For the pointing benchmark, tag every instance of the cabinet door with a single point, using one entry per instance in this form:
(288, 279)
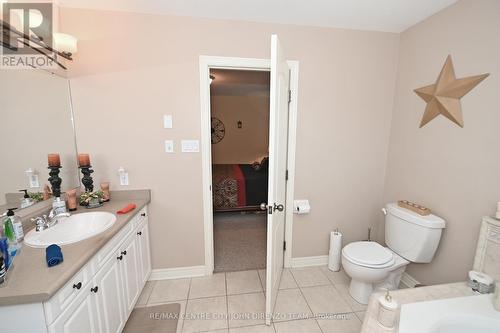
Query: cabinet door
(130, 273)
(109, 296)
(78, 318)
(145, 256)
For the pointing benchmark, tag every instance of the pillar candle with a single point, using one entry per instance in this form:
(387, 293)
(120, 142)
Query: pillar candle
(54, 160)
(83, 160)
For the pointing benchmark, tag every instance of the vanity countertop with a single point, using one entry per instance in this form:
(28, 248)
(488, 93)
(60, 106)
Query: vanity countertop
(411, 295)
(31, 281)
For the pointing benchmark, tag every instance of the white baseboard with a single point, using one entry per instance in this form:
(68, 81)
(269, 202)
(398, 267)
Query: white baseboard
(178, 273)
(408, 281)
(309, 261)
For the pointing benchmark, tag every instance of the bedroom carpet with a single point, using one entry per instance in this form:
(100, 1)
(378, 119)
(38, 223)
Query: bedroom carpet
(239, 241)
(159, 318)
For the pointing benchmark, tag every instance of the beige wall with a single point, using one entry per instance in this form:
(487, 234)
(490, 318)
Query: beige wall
(241, 145)
(133, 68)
(454, 171)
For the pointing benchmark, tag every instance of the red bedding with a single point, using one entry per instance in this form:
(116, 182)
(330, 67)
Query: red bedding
(239, 186)
(228, 186)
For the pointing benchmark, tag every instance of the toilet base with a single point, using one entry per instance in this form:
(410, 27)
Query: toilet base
(360, 291)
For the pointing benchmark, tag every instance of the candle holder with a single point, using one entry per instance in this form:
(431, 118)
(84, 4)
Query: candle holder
(55, 180)
(87, 179)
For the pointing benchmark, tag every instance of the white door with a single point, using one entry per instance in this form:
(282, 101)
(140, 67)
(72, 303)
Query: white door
(78, 318)
(278, 138)
(109, 296)
(129, 271)
(144, 257)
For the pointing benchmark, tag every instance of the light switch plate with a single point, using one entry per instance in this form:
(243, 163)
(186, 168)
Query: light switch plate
(169, 146)
(190, 146)
(167, 121)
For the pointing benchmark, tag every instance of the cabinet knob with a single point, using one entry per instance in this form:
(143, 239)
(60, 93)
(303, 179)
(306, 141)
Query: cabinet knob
(139, 233)
(143, 214)
(95, 289)
(120, 257)
(124, 253)
(77, 285)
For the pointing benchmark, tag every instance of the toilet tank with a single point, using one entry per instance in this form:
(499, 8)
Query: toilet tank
(412, 236)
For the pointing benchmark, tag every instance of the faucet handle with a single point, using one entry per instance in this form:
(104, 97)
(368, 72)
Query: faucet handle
(39, 223)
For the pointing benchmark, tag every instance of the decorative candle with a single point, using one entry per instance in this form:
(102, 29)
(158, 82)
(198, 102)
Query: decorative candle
(54, 160)
(47, 193)
(105, 191)
(83, 160)
(71, 195)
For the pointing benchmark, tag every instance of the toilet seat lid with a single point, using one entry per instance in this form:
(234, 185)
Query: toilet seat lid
(368, 253)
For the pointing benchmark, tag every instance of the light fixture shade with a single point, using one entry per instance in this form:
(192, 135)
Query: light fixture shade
(65, 43)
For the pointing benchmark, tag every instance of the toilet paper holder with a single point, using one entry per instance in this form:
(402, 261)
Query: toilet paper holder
(301, 206)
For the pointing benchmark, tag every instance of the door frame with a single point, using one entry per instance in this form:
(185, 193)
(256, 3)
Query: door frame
(205, 64)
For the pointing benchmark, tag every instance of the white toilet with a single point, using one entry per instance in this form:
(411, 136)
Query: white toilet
(410, 237)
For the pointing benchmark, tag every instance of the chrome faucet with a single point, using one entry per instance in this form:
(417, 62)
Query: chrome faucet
(43, 222)
(53, 216)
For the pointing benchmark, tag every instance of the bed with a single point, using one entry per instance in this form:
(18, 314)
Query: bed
(239, 187)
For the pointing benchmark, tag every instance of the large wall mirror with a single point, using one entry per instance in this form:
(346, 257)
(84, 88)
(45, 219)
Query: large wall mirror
(36, 119)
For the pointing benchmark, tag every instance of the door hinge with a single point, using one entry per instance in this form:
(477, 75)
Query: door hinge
(284, 245)
(289, 95)
(286, 175)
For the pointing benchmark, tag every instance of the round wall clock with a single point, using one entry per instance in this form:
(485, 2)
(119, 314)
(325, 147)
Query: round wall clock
(218, 130)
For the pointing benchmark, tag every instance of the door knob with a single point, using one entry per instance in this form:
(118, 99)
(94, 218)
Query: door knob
(279, 207)
(124, 253)
(77, 285)
(95, 289)
(263, 206)
(120, 257)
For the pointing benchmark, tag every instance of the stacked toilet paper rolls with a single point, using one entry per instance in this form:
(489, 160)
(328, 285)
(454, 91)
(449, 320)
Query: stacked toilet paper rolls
(335, 251)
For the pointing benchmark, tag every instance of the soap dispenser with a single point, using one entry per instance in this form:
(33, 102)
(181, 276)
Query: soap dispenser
(8, 230)
(26, 201)
(17, 225)
(387, 313)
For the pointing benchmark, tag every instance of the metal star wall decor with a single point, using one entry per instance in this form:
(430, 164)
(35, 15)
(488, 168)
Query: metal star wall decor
(443, 97)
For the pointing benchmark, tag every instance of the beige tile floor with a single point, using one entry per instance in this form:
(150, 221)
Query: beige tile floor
(309, 300)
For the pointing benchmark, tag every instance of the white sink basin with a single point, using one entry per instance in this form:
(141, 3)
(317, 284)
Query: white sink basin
(71, 229)
(454, 315)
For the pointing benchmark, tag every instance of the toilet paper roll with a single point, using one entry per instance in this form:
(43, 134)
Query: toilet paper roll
(334, 256)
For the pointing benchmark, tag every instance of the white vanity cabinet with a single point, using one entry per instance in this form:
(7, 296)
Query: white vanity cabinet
(103, 303)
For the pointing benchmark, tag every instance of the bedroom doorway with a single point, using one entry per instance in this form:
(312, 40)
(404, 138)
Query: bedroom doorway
(206, 64)
(239, 117)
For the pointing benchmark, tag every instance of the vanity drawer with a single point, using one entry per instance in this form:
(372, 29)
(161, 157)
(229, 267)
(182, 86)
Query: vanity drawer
(76, 285)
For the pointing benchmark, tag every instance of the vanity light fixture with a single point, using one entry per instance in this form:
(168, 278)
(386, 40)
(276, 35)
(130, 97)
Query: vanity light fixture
(65, 43)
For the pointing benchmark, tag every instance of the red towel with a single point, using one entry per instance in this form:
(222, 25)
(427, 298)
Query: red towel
(126, 209)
